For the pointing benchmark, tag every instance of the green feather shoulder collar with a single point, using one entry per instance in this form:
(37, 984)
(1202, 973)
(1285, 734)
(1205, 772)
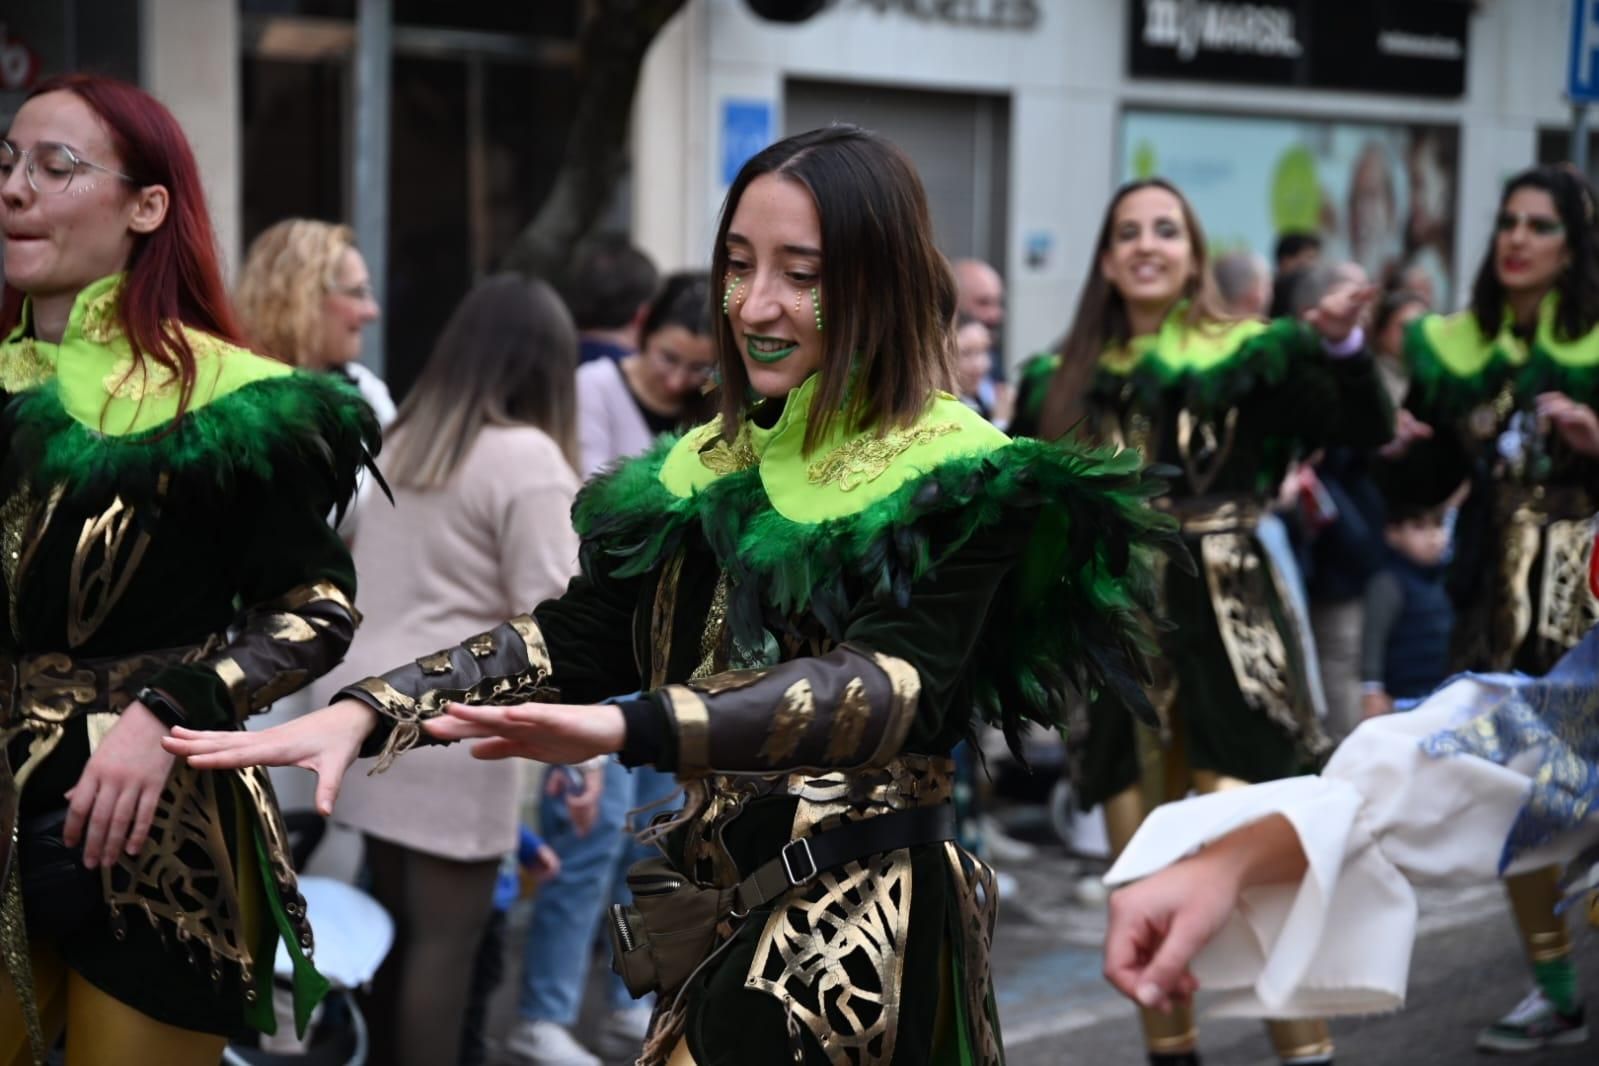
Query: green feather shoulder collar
(96, 379)
(1216, 365)
(1070, 615)
(1456, 365)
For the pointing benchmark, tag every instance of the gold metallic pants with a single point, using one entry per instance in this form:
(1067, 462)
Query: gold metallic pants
(1533, 896)
(101, 1031)
(1177, 1032)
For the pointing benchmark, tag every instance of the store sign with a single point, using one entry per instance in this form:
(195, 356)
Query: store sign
(982, 14)
(1415, 47)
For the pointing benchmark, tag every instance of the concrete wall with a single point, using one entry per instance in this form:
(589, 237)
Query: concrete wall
(190, 60)
(1068, 88)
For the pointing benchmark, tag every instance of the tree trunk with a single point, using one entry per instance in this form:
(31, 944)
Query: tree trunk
(613, 43)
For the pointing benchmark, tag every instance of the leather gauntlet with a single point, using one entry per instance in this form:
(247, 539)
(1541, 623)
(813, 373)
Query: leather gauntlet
(508, 664)
(281, 646)
(846, 709)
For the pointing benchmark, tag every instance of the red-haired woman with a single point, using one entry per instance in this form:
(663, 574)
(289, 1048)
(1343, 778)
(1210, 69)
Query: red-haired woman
(165, 560)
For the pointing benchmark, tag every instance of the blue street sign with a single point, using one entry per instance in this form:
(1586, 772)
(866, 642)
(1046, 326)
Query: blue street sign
(1582, 70)
(746, 129)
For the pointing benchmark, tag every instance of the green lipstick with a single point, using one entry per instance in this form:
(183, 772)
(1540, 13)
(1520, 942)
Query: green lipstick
(767, 355)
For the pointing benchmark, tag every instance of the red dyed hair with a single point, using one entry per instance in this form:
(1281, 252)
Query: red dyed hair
(173, 273)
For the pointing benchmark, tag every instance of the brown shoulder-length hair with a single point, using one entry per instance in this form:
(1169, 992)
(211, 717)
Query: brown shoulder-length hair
(887, 294)
(506, 357)
(1101, 320)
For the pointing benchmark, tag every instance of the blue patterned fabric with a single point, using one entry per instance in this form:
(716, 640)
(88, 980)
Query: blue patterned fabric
(1556, 716)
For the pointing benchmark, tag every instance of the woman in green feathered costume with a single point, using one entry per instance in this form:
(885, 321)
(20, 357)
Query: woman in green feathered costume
(165, 559)
(1151, 364)
(1505, 393)
(801, 607)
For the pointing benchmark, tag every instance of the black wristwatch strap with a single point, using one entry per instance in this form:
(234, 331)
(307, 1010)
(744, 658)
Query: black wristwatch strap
(163, 707)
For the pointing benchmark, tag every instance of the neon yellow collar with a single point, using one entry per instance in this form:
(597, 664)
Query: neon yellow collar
(845, 474)
(1180, 348)
(100, 384)
(1461, 348)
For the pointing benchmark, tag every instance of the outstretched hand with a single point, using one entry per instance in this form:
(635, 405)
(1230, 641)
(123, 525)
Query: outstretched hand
(548, 732)
(1158, 925)
(1340, 311)
(325, 742)
(1576, 422)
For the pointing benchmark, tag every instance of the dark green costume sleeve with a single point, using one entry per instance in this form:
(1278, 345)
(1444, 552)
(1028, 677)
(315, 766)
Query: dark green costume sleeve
(575, 649)
(1032, 387)
(1324, 399)
(295, 576)
(891, 686)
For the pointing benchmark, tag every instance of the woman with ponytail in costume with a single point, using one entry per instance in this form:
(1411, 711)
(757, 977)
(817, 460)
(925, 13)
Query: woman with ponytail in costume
(166, 561)
(1151, 363)
(819, 593)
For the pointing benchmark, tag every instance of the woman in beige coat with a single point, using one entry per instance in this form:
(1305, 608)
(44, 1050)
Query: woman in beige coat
(481, 465)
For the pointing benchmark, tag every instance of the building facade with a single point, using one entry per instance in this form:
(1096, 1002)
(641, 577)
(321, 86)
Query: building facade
(1022, 116)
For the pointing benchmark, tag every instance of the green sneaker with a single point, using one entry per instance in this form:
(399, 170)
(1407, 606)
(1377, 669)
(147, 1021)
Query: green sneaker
(1532, 1025)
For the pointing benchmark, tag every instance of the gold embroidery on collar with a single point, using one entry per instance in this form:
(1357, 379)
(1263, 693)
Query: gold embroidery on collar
(866, 457)
(100, 322)
(22, 367)
(729, 458)
(128, 380)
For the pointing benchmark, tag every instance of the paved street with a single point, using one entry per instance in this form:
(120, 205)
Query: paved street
(1467, 970)
(1058, 1011)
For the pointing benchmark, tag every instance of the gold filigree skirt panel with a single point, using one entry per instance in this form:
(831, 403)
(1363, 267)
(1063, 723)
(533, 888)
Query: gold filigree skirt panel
(1538, 602)
(184, 894)
(1263, 641)
(847, 966)
(862, 986)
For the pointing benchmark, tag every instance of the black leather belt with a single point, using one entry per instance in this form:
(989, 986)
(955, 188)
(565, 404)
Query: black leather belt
(801, 860)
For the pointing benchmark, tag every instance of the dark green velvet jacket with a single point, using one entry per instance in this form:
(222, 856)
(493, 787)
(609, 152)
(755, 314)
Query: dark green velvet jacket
(812, 633)
(186, 562)
(1226, 410)
(1518, 570)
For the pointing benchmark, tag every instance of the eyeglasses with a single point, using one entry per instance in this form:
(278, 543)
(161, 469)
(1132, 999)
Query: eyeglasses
(49, 166)
(362, 291)
(1540, 225)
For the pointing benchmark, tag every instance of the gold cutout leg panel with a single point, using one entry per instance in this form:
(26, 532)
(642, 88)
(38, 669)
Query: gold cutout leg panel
(1300, 1039)
(50, 992)
(681, 1056)
(1208, 781)
(1169, 1034)
(1124, 813)
(1533, 896)
(100, 1030)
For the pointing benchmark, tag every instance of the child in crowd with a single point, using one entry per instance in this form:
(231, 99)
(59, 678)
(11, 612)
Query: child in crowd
(1408, 617)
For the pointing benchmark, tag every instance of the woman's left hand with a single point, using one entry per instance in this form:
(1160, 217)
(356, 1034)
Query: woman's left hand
(548, 732)
(1575, 422)
(1340, 311)
(112, 805)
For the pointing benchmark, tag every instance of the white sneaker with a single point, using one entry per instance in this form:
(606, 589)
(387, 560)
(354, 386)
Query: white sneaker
(1000, 845)
(545, 1043)
(622, 1034)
